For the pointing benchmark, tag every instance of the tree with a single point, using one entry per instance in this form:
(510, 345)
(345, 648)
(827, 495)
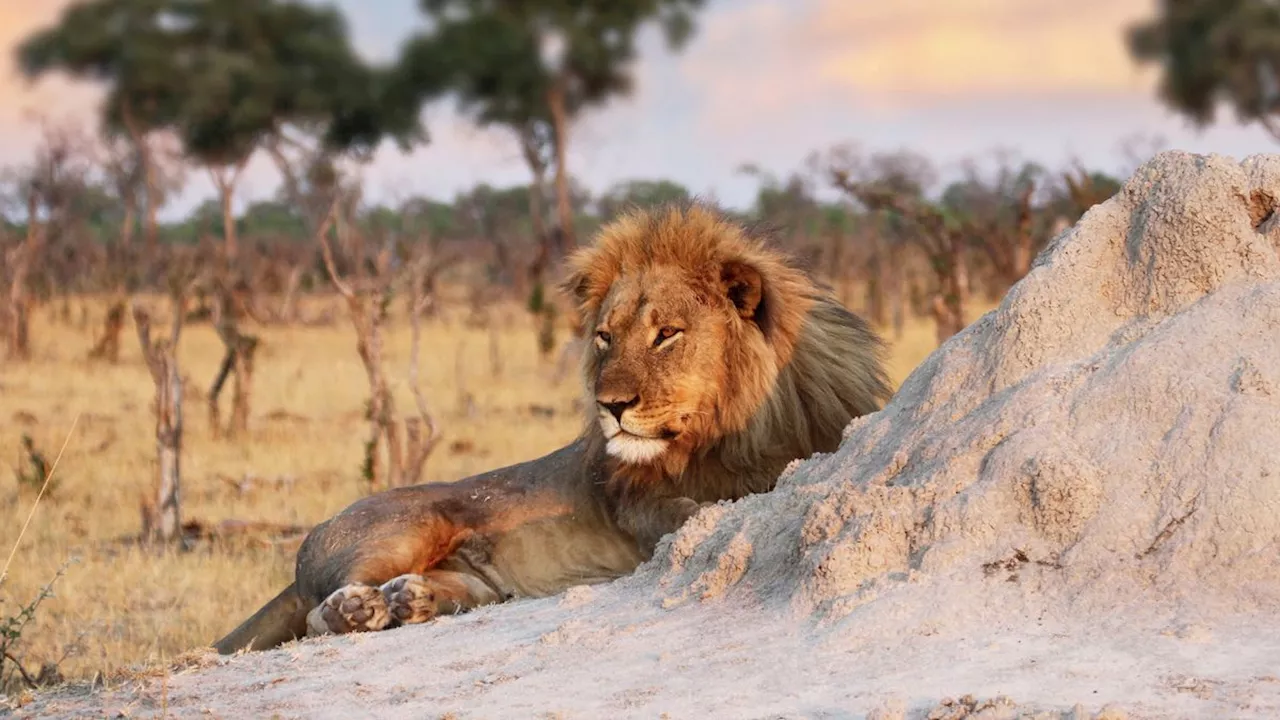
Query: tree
(1211, 51)
(163, 519)
(224, 76)
(227, 77)
(251, 70)
(126, 45)
(50, 193)
(535, 65)
(996, 210)
(395, 452)
(893, 184)
(639, 194)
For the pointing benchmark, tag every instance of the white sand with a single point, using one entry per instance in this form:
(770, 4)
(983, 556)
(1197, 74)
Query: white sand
(1075, 503)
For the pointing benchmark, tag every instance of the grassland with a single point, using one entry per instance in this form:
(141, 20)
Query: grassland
(120, 604)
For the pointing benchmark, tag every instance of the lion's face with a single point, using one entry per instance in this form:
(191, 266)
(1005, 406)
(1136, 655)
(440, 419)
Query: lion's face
(660, 348)
(689, 324)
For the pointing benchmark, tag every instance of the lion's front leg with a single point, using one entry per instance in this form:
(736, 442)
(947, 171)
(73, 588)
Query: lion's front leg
(650, 519)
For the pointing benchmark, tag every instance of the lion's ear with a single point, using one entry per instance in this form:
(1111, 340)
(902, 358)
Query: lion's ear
(575, 286)
(577, 280)
(744, 285)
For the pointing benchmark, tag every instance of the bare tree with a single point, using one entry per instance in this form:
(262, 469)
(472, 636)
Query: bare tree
(892, 186)
(163, 520)
(18, 260)
(999, 215)
(48, 190)
(233, 303)
(108, 345)
(395, 451)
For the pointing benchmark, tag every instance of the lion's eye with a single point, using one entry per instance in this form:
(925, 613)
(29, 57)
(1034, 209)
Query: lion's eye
(603, 336)
(666, 333)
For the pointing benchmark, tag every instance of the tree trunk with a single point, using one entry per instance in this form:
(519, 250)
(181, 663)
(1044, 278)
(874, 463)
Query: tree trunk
(897, 291)
(560, 128)
(243, 386)
(19, 311)
(126, 225)
(369, 348)
(169, 449)
(152, 182)
(950, 302)
(215, 390)
(237, 364)
(225, 180)
(108, 345)
(165, 520)
(541, 307)
(1023, 239)
(877, 270)
(229, 223)
(19, 325)
(403, 463)
(289, 306)
(876, 311)
(153, 206)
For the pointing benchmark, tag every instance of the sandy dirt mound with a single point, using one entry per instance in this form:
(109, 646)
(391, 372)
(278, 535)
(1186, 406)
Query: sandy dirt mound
(1071, 510)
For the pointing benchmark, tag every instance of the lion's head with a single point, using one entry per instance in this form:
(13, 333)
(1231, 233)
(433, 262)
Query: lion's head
(690, 322)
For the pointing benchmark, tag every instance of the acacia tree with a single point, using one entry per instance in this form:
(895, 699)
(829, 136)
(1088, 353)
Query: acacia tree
(238, 74)
(894, 184)
(125, 45)
(1210, 51)
(997, 211)
(535, 65)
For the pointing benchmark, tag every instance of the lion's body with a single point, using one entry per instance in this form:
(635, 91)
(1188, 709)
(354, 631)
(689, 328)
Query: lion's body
(715, 365)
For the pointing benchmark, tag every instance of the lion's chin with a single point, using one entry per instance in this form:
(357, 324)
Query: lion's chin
(635, 450)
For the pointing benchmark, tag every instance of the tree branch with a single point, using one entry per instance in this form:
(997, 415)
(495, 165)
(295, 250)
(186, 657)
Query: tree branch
(327, 253)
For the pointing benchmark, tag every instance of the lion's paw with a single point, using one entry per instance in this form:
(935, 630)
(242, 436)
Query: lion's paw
(353, 608)
(410, 599)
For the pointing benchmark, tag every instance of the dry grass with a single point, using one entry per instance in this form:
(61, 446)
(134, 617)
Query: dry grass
(124, 605)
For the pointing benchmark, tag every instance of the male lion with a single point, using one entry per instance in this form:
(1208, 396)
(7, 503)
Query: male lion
(714, 364)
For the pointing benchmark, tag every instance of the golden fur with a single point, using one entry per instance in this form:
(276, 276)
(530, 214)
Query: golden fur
(713, 363)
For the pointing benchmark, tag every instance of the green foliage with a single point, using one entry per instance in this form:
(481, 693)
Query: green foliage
(537, 299)
(13, 625)
(223, 74)
(490, 53)
(121, 43)
(33, 466)
(640, 194)
(271, 219)
(1211, 51)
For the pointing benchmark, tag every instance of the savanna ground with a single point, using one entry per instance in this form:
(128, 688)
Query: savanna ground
(121, 605)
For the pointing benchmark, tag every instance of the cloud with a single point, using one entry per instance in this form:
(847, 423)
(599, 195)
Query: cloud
(923, 49)
(766, 59)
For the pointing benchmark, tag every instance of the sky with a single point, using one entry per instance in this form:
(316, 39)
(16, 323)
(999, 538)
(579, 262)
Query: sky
(766, 82)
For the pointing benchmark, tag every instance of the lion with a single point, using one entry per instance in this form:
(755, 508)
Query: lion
(714, 361)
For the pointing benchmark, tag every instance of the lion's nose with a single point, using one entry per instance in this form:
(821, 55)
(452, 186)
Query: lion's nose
(617, 407)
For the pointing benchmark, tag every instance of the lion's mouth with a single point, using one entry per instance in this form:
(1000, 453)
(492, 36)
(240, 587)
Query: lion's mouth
(635, 449)
(663, 434)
